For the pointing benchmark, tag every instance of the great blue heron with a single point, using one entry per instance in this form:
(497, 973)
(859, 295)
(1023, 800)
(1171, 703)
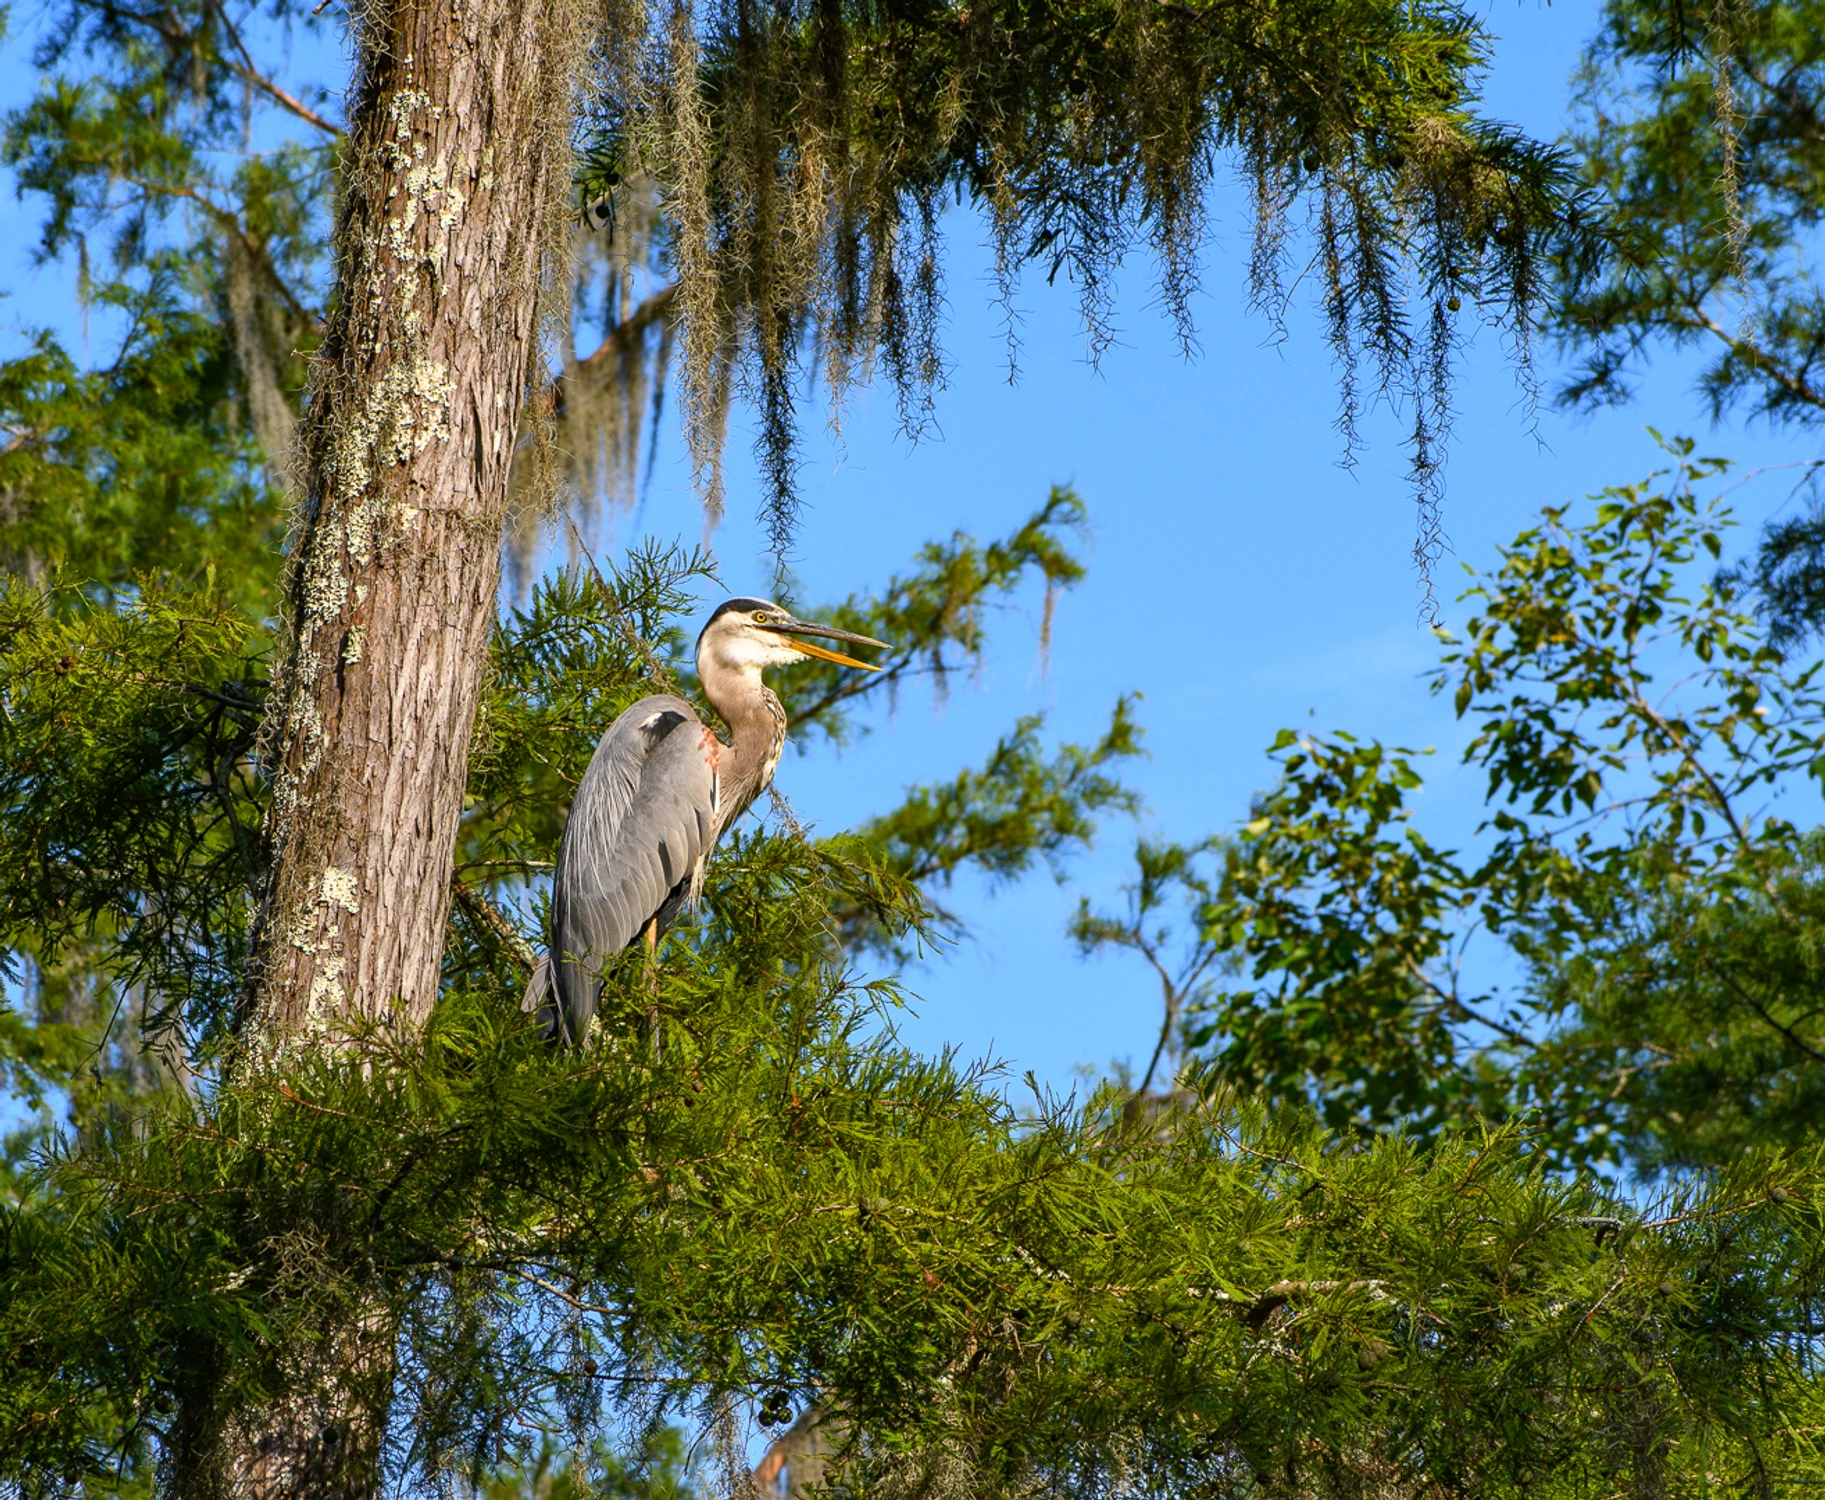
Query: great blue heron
(659, 790)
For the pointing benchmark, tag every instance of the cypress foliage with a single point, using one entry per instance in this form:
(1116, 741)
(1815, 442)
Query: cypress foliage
(804, 157)
(1055, 1303)
(1059, 1297)
(1168, 1291)
(774, 186)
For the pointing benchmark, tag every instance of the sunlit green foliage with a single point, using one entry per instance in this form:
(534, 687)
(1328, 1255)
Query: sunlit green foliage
(1700, 126)
(138, 467)
(658, 1467)
(1340, 912)
(1649, 758)
(1065, 1301)
(1019, 809)
(130, 830)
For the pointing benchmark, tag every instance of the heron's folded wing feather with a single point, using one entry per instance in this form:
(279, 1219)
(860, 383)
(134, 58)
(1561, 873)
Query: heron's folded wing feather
(637, 816)
(660, 840)
(538, 997)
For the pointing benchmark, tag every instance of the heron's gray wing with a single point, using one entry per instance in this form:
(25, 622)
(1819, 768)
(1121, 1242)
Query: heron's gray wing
(537, 998)
(643, 818)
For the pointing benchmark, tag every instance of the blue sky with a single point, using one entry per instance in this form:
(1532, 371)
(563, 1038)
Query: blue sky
(1239, 579)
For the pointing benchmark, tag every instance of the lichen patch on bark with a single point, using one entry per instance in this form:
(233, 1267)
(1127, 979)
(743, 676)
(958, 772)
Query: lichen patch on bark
(340, 889)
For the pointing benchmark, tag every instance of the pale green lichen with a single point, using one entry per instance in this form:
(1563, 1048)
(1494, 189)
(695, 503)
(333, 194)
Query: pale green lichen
(404, 104)
(303, 726)
(326, 995)
(425, 181)
(303, 923)
(406, 411)
(301, 932)
(340, 889)
(324, 592)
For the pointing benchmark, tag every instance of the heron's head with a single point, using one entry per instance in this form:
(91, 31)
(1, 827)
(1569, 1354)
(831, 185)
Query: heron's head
(745, 635)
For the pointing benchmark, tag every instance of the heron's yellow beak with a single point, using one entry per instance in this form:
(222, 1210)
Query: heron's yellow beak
(794, 628)
(822, 655)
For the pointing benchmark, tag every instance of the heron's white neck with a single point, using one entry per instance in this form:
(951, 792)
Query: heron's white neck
(757, 731)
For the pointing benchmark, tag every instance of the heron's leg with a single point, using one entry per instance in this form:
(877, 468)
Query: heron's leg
(649, 936)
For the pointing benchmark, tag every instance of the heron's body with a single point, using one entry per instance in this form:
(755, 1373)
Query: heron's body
(658, 792)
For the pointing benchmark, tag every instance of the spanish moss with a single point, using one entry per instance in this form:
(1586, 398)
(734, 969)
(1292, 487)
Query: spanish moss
(786, 170)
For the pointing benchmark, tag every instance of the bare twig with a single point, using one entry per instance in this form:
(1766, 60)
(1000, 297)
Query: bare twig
(490, 917)
(1787, 1031)
(246, 70)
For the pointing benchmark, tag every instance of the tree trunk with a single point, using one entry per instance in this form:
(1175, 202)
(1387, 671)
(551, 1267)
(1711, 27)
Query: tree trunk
(456, 164)
(796, 1463)
(455, 170)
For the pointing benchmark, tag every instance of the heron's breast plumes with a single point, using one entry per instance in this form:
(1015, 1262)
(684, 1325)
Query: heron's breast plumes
(776, 740)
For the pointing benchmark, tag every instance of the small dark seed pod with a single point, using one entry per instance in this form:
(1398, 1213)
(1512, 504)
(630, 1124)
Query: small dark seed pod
(1668, 1288)
(1778, 1195)
(1311, 161)
(163, 1404)
(1372, 1353)
(589, 1367)
(1452, 304)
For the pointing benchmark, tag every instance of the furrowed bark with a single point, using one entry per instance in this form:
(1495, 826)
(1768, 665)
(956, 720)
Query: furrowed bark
(457, 161)
(324, 1437)
(457, 148)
